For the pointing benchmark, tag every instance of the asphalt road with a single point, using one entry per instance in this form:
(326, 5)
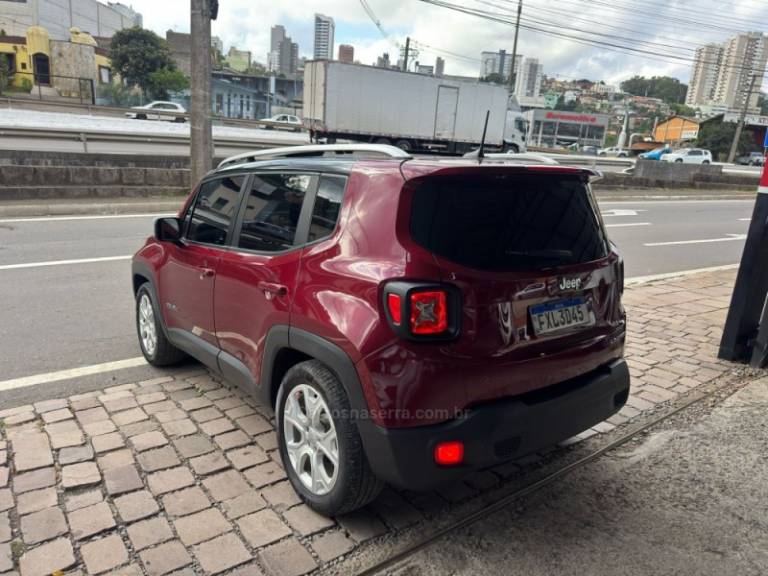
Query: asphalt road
(80, 314)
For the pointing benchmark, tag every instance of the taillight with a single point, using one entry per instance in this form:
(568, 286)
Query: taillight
(449, 453)
(420, 311)
(395, 307)
(429, 312)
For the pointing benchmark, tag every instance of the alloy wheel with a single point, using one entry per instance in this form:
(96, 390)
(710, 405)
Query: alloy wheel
(147, 325)
(310, 439)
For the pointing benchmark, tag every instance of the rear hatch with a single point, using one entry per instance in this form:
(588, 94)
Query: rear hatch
(539, 280)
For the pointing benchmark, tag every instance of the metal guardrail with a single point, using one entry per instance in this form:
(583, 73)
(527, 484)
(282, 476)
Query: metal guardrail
(113, 111)
(86, 140)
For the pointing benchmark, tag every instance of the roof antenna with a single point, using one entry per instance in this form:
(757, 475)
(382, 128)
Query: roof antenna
(481, 151)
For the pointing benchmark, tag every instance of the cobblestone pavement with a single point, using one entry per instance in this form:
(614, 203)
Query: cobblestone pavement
(181, 475)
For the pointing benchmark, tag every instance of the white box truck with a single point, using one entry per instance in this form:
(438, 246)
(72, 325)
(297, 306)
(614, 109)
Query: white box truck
(415, 112)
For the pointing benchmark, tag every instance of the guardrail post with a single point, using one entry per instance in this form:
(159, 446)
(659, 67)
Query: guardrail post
(742, 326)
(84, 140)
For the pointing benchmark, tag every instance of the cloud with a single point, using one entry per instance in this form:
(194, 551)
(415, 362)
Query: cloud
(246, 24)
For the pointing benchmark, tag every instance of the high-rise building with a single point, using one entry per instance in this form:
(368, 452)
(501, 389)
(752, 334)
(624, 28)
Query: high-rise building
(277, 35)
(439, 67)
(288, 52)
(706, 67)
(723, 73)
(346, 53)
(498, 63)
(324, 30)
(528, 79)
(383, 61)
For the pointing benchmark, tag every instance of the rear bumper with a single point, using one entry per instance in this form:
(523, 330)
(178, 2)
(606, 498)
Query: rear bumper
(494, 433)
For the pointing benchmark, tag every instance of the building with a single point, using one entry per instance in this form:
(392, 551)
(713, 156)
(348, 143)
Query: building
(239, 60)
(723, 73)
(383, 61)
(555, 129)
(277, 35)
(71, 69)
(528, 80)
(324, 31)
(252, 96)
(498, 63)
(346, 53)
(439, 67)
(425, 69)
(180, 47)
(58, 16)
(217, 44)
(677, 130)
(288, 56)
(128, 12)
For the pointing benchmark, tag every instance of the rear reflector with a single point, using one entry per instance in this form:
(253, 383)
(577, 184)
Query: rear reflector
(429, 312)
(449, 453)
(394, 304)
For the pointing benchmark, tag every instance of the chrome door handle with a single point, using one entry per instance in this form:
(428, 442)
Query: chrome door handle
(207, 273)
(271, 289)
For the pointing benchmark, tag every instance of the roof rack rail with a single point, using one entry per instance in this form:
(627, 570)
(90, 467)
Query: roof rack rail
(318, 151)
(516, 158)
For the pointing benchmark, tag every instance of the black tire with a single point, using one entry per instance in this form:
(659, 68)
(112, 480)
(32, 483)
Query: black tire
(511, 148)
(180, 120)
(165, 353)
(356, 485)
(384, 141)
(679, 161)
(141, 116)
(404, 145)
(705, 162)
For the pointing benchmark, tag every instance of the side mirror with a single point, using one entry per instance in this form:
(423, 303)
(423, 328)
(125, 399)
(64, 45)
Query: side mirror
(168, 230)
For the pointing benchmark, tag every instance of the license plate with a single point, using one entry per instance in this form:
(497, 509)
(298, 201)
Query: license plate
(554, 316)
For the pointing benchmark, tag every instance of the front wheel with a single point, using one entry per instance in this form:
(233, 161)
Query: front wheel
(155, 346)
(319, 443)
(705, 162)
(679, 161)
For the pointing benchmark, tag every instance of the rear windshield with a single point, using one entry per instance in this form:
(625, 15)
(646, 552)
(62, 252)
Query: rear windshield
(508, 223)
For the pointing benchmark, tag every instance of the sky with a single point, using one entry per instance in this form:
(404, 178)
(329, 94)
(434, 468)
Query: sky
(669, 30)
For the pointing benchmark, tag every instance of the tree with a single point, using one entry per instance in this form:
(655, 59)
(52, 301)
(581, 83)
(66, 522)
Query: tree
(717, 136)
(166, 80)
(494, 78)
(668, 89)
(683, 110)
(6, 74)
(136, 53)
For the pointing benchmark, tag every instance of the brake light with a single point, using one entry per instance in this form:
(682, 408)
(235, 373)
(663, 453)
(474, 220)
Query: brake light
(449, 453)
(429, 312)
(395, 306)
(422, 311)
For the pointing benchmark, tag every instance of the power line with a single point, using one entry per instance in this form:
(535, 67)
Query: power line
(611, 46)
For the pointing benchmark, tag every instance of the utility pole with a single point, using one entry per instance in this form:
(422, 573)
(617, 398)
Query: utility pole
(742, 119)
(512, 73)
(201, 138)
(407, 50)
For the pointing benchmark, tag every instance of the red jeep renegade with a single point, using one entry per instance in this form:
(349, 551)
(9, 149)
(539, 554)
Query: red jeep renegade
(409, 320)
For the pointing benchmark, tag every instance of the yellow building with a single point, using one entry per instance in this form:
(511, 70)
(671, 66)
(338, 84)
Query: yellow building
(67, 69)
(677, 129)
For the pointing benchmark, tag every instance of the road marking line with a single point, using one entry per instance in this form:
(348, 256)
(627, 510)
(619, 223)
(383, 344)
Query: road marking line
(645, 279)
(745, 219)
(62, 262)
(621, 212)
(627, 224)
(730, 238)
(38, 379)
(65, 218)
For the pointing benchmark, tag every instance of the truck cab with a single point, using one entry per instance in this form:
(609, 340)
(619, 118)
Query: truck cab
(515, 132)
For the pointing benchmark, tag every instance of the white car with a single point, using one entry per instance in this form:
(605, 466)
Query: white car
(613, 151)
(158, 110)
(294, 121)
(689, 156)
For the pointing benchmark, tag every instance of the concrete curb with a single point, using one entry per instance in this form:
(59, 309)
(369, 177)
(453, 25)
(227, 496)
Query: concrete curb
(90, 208)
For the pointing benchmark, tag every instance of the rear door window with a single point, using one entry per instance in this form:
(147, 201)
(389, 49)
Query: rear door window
(272, 211)
(512, 222)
